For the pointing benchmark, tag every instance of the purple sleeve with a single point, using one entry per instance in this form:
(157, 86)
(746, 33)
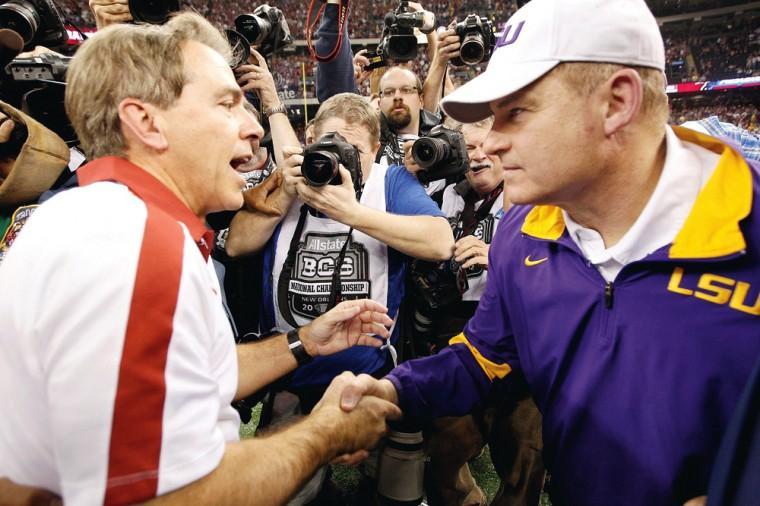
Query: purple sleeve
(449, 383)
(336, 76)
(453, 381)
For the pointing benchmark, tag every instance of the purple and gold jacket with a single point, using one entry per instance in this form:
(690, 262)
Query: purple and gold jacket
(636, 379)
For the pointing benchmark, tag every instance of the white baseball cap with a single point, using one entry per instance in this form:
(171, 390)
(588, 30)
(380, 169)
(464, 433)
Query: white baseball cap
(544, 33)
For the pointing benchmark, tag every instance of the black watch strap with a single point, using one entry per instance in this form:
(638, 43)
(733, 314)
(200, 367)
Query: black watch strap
(297, 349)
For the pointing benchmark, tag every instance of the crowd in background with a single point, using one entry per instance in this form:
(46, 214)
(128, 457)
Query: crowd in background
(741, 110)
(708, 49)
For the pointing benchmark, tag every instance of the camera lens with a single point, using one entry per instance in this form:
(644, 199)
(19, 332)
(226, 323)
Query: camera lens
(402, 47)
(319, 167)
(472, 50)
(428, 151)
(254, 28)
(21, 17)
(155, 12)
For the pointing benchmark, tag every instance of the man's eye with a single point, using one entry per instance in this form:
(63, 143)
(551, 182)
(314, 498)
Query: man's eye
(516, 111)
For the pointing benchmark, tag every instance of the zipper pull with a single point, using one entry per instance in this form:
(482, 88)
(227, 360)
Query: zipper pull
(608, 295)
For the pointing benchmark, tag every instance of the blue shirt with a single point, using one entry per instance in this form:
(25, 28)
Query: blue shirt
(403, 196)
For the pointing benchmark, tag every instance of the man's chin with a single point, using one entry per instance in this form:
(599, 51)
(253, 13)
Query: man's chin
(399, 120)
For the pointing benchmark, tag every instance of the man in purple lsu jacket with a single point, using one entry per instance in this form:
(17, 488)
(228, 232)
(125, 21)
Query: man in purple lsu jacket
(625, 283)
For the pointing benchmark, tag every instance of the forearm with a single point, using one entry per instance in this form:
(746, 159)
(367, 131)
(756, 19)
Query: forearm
(250, 230)
(424, 237)
(282, 135)
(432, 88)
(263, 470)
(261, 363)
(336, 76)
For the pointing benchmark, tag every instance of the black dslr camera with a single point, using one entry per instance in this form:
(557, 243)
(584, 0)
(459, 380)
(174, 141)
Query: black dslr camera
(398, 41)
(443, 154)
(321, 159)
(155, 12)
(37, 86)
(476, 39)
(438, 284)
(38, 22)
(266, 29)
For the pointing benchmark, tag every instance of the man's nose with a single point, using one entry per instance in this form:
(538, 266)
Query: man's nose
(496, 142)
(250, 127)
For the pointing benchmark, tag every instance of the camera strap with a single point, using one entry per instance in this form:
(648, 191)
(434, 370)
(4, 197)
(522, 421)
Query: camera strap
(469, 217)
(283, 294)
(311, 24)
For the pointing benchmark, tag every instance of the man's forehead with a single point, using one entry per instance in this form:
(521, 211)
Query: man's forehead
(399, 76)
(200, 60)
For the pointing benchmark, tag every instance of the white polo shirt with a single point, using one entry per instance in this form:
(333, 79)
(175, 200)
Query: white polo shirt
(663, 215)
(117, 362)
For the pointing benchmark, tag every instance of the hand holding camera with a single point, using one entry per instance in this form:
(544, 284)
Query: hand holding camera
(331, 177)
(448, 46)
(337, 202)
(291, 169)
(110, 12)
(255, 75)
(470, 251)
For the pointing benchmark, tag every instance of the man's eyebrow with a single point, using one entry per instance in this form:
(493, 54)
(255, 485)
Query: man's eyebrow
(233, 91)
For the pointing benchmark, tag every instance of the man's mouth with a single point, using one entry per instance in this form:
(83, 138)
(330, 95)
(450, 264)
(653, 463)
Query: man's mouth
(240, 162)
(479, 168)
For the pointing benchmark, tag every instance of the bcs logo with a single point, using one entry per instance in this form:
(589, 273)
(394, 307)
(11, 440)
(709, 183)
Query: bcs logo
(718, 290)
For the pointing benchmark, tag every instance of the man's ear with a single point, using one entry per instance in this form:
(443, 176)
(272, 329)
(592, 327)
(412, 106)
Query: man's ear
(140, 123)
(623, 93)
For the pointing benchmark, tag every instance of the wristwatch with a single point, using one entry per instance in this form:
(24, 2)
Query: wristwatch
(281, 108)
(297, 349)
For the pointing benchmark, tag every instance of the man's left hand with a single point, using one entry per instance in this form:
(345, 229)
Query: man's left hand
(470, 251)
(338, 202)
(350, 323)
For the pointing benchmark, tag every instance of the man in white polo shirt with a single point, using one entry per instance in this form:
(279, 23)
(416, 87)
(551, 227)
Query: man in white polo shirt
(117, 362)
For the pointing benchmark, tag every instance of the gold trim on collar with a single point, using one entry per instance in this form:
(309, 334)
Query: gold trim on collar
(712, 228)
(544, 222)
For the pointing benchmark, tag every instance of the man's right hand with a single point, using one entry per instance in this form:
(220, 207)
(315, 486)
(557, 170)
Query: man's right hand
(448, 46)
(409, 162)
(361, 428)
(110, 12)
(291, 169)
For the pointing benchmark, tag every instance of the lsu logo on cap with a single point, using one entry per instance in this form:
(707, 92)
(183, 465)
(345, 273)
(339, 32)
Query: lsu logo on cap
(505, 39)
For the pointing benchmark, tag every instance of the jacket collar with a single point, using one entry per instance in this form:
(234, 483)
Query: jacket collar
(712, 228)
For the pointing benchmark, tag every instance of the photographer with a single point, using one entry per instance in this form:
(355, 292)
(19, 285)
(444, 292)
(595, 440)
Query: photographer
(403, 117)
(333, 244)
(119, 359)
(387, 217)
(110, 12)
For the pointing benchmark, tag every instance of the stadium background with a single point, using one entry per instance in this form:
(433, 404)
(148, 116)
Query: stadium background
(712, 48)
(713, 69)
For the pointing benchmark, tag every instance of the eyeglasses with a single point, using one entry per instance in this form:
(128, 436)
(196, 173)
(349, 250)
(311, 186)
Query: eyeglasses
(391, 92)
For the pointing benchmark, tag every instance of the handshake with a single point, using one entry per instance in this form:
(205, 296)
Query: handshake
(355, 410)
